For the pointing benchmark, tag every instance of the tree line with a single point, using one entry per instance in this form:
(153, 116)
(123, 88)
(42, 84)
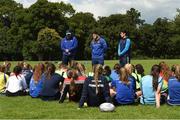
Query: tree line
(34, 33)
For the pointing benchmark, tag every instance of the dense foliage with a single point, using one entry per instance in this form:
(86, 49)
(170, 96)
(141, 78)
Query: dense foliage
(34, 33)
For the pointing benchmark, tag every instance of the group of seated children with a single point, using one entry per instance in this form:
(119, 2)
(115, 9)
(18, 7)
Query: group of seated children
(120, 86)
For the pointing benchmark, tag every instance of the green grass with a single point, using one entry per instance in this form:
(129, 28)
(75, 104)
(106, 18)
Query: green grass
(26, 107)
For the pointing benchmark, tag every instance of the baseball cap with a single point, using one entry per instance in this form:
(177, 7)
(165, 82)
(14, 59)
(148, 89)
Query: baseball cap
(68, 32)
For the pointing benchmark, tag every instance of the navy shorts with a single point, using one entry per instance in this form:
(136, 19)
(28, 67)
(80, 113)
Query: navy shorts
(124, 60)
(67, 59)
(97, 61)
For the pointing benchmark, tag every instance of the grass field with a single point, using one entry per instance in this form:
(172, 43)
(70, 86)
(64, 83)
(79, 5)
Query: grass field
(147, 64)
(26, 107)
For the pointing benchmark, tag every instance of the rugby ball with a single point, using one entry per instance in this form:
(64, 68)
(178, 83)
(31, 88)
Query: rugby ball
(107, 107)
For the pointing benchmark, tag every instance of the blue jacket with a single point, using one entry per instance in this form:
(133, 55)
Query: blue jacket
(98, 48)
(174, 91)
(124, 47)
(89, 92)
(71, 45)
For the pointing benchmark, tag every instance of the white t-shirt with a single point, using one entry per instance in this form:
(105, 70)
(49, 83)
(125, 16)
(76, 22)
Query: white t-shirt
(16, 83)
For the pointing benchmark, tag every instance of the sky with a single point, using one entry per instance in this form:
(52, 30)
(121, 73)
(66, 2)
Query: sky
(150, 9)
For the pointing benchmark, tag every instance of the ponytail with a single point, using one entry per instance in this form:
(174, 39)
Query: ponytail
(177, 72)
(97, 72)
(50, 70)
(155, 70)
(124, 76)
(38, 71)
(72, 75)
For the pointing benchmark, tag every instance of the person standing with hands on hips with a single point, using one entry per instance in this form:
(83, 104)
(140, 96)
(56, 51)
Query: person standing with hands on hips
(69, 46)
(98, 47)
(124, 48)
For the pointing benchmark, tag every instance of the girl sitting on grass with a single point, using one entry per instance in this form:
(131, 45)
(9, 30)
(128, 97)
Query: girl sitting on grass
(95, 89)
(16, 84)
(107, 73)
(123, 89)
(151, 87)
(115, 72)
(138, 73)
(73, 85)
(174, 87)
(52, 83)
(27, 72)
(165, 74)
(129, 69)
(3, 79)
(36, 82)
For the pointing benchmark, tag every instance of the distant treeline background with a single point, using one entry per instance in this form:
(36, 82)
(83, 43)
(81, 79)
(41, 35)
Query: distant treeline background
(34, 33)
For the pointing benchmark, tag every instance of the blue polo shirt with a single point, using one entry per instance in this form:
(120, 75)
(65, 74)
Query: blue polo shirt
(125, 93)
(174, 91)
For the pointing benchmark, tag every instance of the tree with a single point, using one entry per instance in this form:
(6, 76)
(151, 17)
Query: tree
(47, 44)
(10, 41)
(44, 14)
(175, 38)
(162, 34)
(134, 17)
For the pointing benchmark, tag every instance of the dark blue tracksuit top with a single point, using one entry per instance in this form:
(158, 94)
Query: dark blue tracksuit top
(71, 45)
(89, 92)
(98, 48)
(124, 47)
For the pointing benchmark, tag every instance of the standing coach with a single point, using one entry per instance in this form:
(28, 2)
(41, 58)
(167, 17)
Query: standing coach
(69, 46)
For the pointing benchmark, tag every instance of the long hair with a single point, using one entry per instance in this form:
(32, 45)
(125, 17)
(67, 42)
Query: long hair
(139, 69)
(177, 72)
(173, 68)
(17, 70)
(155, 70)
(129, 68)
(98, 70)
(7, 66)
(106, 70)
(165, 70)
(27, 66)
(117, 68)
(72, 75)
(20, 64)
(2, 68)
(81, 69)
(38, 71)
(50, 70)
(124, 76)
